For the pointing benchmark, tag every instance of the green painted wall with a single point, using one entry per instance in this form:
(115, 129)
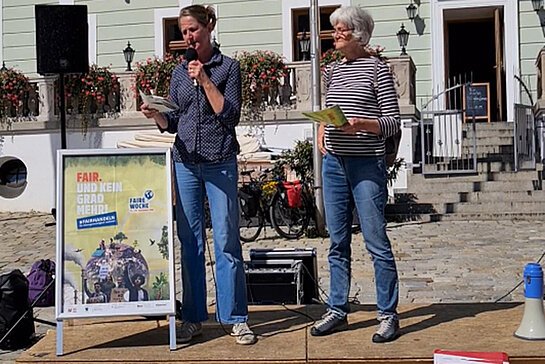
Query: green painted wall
(244, 25)
(18, 35)
(531, 39)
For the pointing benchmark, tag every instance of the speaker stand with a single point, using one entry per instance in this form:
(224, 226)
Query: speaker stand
(62, 106)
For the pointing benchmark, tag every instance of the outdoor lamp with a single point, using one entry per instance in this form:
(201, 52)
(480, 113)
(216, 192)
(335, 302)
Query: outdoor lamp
(128, 53)
(403, 39)
(411, 11)
(304, 46)
(537, 5)
(215, 43)
(4, 68)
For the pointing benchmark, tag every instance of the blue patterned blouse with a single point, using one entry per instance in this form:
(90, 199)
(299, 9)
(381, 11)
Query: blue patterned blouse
(202, 135)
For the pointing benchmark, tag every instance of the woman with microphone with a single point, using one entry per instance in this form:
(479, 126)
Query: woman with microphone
(206, 86)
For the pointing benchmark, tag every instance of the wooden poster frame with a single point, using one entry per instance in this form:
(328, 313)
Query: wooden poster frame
(487, 117)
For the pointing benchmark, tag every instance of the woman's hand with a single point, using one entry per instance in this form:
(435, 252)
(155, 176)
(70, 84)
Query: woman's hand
(155, 115)
(148, 113)
(321, 140)
(360, 124)
(215, 97)
(196, 72)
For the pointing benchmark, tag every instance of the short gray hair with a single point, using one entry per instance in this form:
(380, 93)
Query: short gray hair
(357, 19)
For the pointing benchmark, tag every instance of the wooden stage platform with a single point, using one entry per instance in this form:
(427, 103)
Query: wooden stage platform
(285, 338)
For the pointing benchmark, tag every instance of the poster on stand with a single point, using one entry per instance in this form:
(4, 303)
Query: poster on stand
(114, 233)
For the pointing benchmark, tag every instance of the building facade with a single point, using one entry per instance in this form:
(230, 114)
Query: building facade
(493, 42)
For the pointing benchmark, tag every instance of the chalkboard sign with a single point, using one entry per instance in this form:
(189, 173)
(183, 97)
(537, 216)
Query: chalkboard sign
(477, 101)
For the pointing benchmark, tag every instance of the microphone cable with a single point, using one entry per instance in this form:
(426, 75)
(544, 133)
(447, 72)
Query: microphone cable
(518, 284)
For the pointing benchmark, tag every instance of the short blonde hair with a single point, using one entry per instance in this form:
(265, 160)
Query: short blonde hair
(357, 19)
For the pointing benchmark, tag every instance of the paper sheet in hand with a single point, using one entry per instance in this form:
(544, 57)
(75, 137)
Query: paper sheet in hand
(158, 103)
(332, 115)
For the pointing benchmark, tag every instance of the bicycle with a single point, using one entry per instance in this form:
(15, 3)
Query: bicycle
(251, 213)
(288, 210)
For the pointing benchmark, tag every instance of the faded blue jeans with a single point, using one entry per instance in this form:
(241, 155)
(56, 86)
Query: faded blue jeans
(219, 182)
(359, 182)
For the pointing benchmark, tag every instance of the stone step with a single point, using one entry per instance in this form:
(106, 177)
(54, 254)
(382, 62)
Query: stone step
(493, 186)
(478, 216)
(512, 196)
(479, 177)
(490, 133)
(497, 125)
(485, 150)
(498, 166)
(435, 199)
(499, 206)
(488, 140)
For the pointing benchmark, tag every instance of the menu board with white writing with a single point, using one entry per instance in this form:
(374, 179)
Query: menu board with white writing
(477, 101)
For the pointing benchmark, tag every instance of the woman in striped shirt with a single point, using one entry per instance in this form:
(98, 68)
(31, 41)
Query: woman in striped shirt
(354, 169)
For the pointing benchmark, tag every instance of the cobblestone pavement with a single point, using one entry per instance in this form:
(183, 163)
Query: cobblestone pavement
(474, 261)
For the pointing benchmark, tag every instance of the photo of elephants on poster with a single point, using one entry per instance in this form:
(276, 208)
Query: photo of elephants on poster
(114, 233)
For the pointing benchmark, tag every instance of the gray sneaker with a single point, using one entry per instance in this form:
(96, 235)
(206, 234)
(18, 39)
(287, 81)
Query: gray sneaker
(243, 334)
(329, 323)
(187, 331)
(387, 330)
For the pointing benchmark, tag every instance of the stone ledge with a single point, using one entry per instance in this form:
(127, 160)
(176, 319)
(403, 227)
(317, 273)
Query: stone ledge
(129, 121)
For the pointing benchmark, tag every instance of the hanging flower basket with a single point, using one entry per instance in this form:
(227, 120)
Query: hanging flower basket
(262, 74)
(333, 55)
(153, 76)
(14, 90)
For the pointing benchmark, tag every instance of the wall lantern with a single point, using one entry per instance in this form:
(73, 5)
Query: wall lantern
(411, 11)
(304, 46)
(128, 53)
(537, 5)
(403, 39)
(215, 43)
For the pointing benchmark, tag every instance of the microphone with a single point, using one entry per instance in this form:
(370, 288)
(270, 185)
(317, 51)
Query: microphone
(191, 55)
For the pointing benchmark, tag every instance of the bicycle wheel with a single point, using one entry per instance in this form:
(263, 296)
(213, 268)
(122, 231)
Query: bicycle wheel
(249, 226)
(289, 222)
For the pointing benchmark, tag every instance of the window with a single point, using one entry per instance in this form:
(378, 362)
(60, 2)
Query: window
(13, 178)
(174, 41)
(301, 24)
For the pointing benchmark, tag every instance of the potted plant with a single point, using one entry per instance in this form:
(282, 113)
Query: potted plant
(262, 74)
(153, 76)
(88, 94)
(333, 55)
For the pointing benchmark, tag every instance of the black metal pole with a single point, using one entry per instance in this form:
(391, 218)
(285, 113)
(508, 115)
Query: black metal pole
(62, 111)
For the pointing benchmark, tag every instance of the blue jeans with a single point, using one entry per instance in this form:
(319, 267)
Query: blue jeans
(219, 182)
(359, 182)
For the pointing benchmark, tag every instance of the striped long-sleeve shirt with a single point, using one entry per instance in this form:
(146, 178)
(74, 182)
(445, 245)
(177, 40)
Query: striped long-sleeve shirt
(350, 85)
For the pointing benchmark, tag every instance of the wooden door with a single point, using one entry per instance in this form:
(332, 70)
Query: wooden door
(499, 61)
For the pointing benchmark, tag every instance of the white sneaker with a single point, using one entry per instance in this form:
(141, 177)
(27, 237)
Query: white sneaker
(387, 330)
(187, 331)
(243, 334)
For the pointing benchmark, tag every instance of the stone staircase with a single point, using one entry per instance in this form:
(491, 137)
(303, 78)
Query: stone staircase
(495, 192)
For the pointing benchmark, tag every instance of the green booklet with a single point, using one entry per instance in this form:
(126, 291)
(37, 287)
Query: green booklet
(332, 115)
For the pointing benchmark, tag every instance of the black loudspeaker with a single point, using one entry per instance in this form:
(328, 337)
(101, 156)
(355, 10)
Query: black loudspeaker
(62, 39)
(278, 283)
(285, 264)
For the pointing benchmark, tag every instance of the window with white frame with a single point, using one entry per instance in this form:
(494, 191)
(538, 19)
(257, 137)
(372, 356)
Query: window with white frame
(301, 27)
(174, 42)
(296, 21)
